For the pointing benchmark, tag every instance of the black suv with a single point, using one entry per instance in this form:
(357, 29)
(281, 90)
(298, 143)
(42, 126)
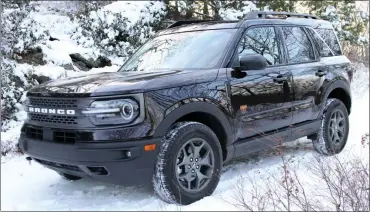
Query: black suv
(193, 97)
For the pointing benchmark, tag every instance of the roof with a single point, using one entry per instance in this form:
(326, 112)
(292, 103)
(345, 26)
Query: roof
(314, 23)
(211, 25)
(310, 22)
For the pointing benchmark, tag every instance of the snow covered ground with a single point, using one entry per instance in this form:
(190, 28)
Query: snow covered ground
(27, 186)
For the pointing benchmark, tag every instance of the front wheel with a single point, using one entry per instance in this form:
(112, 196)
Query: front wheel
(188, 165)
(333, 133)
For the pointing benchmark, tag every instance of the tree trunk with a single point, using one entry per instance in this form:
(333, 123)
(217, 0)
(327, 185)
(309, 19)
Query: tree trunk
(176, 12)
(190, 9)
(205, 10)
(215, 5)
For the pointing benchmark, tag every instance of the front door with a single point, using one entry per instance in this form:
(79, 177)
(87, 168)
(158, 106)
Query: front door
(262, 99)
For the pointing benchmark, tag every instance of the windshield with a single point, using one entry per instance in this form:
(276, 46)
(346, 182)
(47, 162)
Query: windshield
(187, 50)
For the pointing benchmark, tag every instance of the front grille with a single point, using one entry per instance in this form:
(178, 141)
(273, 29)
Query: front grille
(55, 119)
(35, 133)
(58, 165)
(52, 119)
(64, 137)
(50, 102)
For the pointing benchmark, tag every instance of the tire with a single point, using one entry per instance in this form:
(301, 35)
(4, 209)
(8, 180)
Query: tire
(169, 181)
(69, 176)
(326, 141)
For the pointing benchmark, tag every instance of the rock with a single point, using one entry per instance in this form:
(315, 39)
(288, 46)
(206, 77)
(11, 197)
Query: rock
(80, 65)
(68, 67)
(32, 57)
(103, 61)
(77, 57)
(53, 39)
(18, 82)
(81, 62)
(85, 65)
(40, 79)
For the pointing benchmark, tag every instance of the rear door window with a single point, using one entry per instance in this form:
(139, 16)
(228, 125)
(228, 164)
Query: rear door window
(298, 45)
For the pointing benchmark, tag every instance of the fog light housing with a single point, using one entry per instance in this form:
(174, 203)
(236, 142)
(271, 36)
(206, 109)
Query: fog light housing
(97, 170)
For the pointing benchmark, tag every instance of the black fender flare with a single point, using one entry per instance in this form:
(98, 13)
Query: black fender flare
(345, 86)
(191, 107)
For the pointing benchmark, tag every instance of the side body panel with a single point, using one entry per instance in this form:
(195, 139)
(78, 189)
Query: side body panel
(309, 88)
(259, 103)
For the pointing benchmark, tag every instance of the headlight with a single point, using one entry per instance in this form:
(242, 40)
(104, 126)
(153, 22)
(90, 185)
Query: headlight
(110, 112)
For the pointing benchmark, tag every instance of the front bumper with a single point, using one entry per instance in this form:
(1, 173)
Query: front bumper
(103, 161)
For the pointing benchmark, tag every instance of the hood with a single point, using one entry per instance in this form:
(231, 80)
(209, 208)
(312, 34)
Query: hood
(114, 83)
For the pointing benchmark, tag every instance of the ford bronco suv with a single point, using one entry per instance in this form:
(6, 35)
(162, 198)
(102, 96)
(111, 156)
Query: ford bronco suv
(193, 97)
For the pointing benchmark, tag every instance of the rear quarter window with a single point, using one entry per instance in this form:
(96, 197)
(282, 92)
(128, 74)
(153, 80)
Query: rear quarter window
(321, 46)
(328, 35)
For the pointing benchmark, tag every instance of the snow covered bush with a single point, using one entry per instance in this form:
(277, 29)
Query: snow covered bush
(86, 6)
(234, 14)
(15, 80)
(20, 31)
(347, 22)
(119, 28)
(21, 34)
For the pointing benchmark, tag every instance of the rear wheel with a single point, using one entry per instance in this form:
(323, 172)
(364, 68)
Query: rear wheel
(333, 134)
(69, 176)
(188, 164)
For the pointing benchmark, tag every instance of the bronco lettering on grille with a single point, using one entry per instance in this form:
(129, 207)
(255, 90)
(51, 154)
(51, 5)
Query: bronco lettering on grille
(51, 111)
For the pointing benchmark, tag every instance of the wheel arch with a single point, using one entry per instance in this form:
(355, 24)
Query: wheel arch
(340, 90)
(206, 113)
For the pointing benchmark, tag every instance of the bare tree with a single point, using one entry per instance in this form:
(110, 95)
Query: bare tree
(336, 184)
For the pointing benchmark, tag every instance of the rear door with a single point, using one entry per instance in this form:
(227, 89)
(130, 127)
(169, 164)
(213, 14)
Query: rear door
(308, 73)
(262, 99)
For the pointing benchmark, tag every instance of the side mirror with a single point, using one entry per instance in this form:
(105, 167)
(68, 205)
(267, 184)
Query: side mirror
(252, 62)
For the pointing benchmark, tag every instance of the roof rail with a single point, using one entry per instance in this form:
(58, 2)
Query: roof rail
(264, 14)
(179, 23)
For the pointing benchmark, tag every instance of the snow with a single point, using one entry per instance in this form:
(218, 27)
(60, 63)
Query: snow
(232, 14)
(58, 52)
(128, 9)
(101, 27)
(27, 186)
(329, 9)
(59, 26)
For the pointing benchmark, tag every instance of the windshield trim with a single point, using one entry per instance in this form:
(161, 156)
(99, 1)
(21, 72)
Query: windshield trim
(220, 62)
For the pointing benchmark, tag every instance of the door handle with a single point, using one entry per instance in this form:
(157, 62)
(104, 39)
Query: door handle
(321, 73)
(280, 79)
